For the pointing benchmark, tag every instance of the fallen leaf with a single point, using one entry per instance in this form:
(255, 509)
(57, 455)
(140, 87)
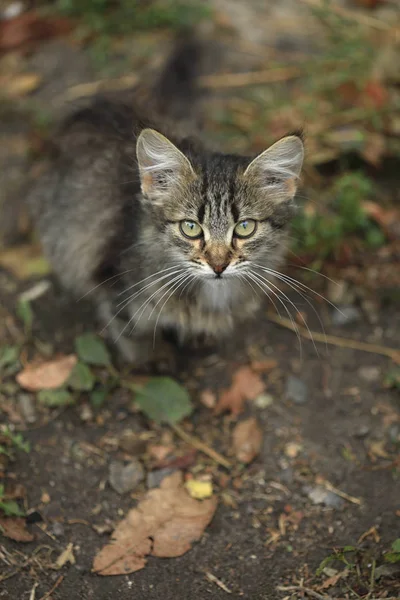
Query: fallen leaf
(25, 261)
(332, 580)
(8, 355)
(92, 350)
(164, 524)
(31, 27)
(81, 378)
(208, 398)
(14, 528)
(20, 85)
(246, 385)
(377, 449)
(199, 489)
(55, 397)
(163, 400)
(292, 449)
(67, 556)
(49, 375)
(159, 452)
(374, 148)
(264, 366)
(247, 440)
(376, 95)
(25, 313)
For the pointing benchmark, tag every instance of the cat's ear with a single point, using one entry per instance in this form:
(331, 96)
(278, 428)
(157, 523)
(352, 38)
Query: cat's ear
(277, 169)
(161, 163)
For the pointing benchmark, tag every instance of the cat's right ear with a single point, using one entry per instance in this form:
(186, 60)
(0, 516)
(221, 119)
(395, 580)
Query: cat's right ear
(161, 164)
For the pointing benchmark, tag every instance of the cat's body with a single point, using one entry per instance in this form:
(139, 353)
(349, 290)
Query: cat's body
(156, 231)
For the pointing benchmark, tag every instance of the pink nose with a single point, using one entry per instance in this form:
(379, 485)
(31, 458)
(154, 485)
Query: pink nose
(218, 269)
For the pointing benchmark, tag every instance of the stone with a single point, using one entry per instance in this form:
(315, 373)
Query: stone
(320, 495)
(154, 478)
(125, 478)
(296, 390)
(346, 315)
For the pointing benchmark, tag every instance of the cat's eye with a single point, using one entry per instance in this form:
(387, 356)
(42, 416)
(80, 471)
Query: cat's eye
(245, 229)
(190, 229)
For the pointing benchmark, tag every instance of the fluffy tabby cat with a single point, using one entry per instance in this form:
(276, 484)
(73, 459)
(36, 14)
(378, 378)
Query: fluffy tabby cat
(161, 232)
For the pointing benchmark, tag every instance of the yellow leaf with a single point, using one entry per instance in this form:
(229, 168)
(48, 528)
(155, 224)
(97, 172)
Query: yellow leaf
(199, 489)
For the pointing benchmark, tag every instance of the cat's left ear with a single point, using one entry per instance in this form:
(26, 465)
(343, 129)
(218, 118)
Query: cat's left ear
(277, 169)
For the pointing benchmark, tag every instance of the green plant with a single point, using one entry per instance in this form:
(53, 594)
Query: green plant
(343, 217)
(124, 16)
(13, 440)
(9, 507)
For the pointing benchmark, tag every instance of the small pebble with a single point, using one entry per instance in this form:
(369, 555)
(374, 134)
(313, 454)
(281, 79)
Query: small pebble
(27, 407)
(320, 495)
(362, 431)
(154, 478)
(57, 529)
(263, 400)
(369, 374)
(296, 390)
(125, 478)
(346, 316)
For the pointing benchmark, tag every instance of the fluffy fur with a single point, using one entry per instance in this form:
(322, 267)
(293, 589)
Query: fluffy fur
(110, 206)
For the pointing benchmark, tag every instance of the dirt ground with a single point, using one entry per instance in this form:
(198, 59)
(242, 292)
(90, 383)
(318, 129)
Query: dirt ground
(274, 532)
(327, 475)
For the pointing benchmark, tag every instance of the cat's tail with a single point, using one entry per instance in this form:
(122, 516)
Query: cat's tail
(176, 91)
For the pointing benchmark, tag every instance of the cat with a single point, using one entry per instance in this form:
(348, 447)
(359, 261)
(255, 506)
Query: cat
(161, 232)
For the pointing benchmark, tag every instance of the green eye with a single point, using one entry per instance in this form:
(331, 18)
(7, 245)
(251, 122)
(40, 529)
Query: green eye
(246, 228)
(190, 229)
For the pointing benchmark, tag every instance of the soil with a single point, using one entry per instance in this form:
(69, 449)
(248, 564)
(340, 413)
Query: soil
(341, 416)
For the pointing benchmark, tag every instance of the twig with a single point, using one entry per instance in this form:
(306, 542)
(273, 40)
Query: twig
(32, 595)
(308, 591)
(224, 80)
(217, 582)
(334, 340)
(196, 443)
(335, 490)
(350, 14)
(55, 586)
(229, 80)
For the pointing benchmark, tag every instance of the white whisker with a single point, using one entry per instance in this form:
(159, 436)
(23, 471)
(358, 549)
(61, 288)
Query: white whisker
(296, 309)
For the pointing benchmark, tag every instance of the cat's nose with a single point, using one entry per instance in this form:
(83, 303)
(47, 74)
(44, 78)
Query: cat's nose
(219, 269)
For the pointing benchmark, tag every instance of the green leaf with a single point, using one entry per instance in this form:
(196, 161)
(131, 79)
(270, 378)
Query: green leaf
(11, 508)
(81, 378)
(92, 350)
(25, 313)
(58, 397)
(17, 440)
(396, 545)
(98, 397)
(8, 355)
(163, 400)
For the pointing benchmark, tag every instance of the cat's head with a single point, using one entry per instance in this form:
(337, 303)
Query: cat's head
(219, 214)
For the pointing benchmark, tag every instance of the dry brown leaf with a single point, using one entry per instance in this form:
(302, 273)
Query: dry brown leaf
(247, 440)
(14, 528)
(48, 375)
(164, 524)
(66, 556)
(20, 85)
(264, 366)
(208, 398)
(246, 385)
(25, 261)
(31, 27)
